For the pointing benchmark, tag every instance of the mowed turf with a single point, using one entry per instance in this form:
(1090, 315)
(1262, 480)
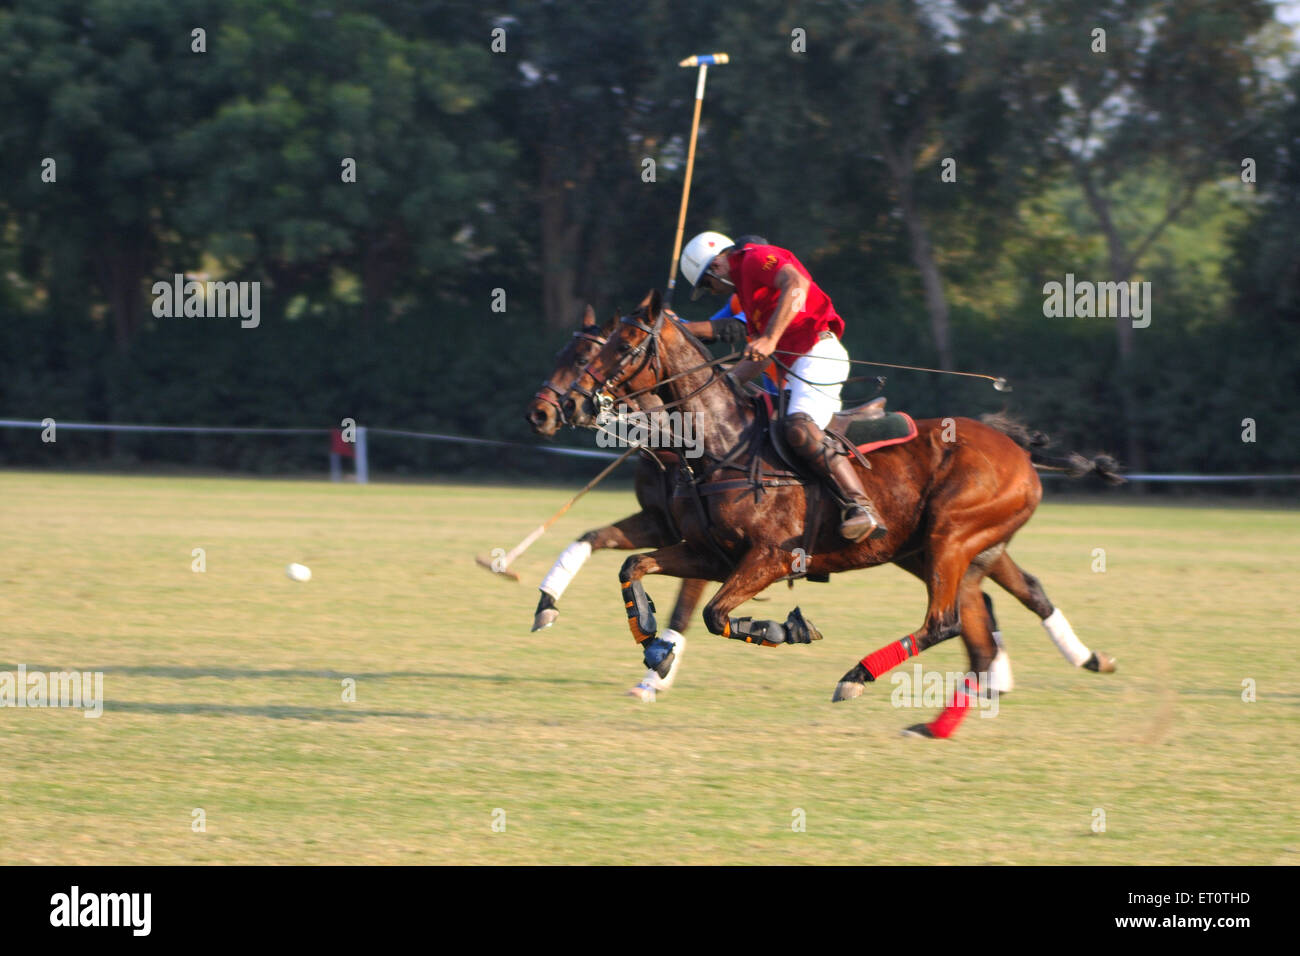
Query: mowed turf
(224, 692)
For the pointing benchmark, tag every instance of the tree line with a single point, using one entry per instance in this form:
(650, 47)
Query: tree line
(429, 193)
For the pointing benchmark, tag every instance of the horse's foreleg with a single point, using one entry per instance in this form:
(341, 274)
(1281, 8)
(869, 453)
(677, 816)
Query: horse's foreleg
(688, 596)
(680, 560)
(644, 529)
(1028, 590)
(752, 574)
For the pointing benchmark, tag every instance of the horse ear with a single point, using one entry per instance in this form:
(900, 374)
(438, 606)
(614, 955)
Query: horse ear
(588, 317)
(656, 303)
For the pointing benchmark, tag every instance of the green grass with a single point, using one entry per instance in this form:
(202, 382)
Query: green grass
(224, 692)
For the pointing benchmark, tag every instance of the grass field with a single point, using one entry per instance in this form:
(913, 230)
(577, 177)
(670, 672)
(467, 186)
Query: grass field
(224, 692)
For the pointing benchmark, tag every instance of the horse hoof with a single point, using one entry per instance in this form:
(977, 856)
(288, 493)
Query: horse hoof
(847, 690)
(918, 730)
(643, 692)
(545, 618)
(800, 630)
(1100, 663)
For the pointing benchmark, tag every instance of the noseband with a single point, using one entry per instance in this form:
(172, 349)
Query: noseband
(648, 351)
(554, 399)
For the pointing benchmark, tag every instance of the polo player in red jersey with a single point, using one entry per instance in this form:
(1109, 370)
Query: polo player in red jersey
(792, 319)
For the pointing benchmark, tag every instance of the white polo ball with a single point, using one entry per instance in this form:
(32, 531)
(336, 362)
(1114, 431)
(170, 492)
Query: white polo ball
(299, 572)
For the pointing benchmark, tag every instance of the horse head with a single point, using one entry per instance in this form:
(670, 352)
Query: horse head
(543, 412)
(626, 367)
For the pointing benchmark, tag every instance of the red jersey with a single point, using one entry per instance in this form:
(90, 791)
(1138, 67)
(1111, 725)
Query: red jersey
(753, 270)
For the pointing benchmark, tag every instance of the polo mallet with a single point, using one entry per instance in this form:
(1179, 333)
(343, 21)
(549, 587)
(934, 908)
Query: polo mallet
(500, 564)
(703, 61)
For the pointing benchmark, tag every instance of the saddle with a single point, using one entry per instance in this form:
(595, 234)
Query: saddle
(857, 430)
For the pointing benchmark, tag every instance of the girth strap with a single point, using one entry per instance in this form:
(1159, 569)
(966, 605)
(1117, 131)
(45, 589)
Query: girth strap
(737, 484)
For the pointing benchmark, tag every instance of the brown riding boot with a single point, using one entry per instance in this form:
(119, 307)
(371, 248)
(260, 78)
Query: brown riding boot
(824, 457)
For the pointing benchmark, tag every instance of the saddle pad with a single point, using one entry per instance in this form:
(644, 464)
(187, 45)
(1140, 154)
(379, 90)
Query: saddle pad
(893, 429)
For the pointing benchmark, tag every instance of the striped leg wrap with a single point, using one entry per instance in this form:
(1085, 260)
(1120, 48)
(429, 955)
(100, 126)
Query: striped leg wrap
(640, 612)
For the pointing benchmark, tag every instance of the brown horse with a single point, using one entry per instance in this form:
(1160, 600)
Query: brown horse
(651, 527)
(952, 498)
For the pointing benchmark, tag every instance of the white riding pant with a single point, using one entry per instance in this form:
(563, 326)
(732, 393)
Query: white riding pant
(826, 363)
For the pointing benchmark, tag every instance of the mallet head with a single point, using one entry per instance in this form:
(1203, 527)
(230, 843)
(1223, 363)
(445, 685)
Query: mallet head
(706, 59)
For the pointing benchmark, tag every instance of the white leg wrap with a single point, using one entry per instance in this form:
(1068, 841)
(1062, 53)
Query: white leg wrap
(565, 569)
(652, 683)
(663, 683)
(1000, 678)
(1066, 641)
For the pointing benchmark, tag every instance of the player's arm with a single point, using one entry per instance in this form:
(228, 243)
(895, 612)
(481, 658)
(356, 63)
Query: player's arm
(794, 293)
(703, 331)
(726, 325)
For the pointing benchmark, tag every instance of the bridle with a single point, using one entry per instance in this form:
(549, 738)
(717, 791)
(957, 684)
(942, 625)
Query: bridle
(556, 395)
(647, 350)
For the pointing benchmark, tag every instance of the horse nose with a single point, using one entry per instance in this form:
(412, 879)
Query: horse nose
(540, 417)
(571, 411)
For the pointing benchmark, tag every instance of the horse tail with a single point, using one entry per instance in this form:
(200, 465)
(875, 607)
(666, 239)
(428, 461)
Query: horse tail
(1074, 465)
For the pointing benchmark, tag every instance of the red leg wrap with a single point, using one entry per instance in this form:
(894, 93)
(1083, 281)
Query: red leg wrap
(891, 655)
(945, 725)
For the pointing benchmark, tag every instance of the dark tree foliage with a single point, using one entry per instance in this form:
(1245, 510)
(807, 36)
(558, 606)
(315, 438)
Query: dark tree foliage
(501, 154)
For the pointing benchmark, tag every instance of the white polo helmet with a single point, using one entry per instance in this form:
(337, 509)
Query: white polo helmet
(699, 252)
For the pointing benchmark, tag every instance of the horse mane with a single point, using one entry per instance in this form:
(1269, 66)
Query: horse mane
(737, 390)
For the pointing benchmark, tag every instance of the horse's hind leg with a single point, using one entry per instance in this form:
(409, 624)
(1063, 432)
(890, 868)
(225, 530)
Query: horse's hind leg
(645, 529)
(1029, 591)
(688, 597)
(981, 649)
(972, 535)
(1000, 678)
(943, 574)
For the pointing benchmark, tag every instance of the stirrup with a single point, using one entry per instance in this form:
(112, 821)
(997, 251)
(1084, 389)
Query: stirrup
(861, 522)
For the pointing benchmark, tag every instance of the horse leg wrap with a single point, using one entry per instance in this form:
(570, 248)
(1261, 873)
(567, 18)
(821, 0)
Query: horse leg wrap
(640, 611)
(1066, 641)
(795, 630)
(877, 662)
(767, 633)
(566, 566)
(945, 725)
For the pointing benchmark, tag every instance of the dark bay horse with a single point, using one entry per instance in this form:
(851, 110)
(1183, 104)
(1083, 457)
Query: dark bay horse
(951, 497)
(651, 527)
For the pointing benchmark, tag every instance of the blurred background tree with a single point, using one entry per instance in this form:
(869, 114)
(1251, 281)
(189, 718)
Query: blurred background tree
(522, 169)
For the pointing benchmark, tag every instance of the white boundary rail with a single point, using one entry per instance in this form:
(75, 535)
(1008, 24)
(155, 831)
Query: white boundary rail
(363, 434)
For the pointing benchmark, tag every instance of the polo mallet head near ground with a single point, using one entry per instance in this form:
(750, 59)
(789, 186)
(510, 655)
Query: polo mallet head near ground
(499, 561)
(497, 565)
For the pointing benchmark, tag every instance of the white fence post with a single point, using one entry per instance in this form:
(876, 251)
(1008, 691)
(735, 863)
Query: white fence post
(363, 456)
